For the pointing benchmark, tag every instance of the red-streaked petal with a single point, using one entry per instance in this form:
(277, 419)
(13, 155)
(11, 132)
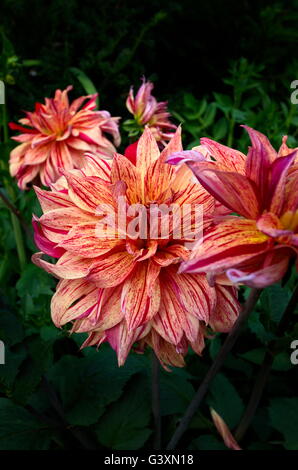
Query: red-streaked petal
(270, 224)
(84, 241)
(110, 270)
(233, 190)
(89, 193)
(73, 299)
(279, 174)
(140, 297)
(224, 431)
(227, 309)
(227, 244)
(230, 159)
(67, 267)
(265, 269)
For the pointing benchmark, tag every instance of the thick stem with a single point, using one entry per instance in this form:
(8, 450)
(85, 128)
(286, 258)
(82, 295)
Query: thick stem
(156, 401)
(264, 371)
(216, 366)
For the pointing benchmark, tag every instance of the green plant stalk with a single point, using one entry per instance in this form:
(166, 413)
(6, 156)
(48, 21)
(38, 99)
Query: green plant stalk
(215, 367)
(264, 371)
(14, 220)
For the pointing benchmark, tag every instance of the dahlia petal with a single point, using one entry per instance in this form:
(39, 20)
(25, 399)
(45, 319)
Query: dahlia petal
(194, 294)
(233, 190)
(124, 170)
(141, 295)
(72, 299)
(279, 174)
(147, 153)
(229, 243)
(230, 159)
(110, 270)
(227, 309)
(89, 193)
(274, 265)
(67, 267)
(94, 166)
(121, 339)
(270, 224)
(224, 431)
(43, 243)
(170, 254)
(84, 241)
(174, 145)
(50, 200)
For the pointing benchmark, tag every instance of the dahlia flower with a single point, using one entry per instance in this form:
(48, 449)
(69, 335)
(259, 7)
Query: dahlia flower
(116, 285)
(58, 135)
(256, 246)
(148, 112)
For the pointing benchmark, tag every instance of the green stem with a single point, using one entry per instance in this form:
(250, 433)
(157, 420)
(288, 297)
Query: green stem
(264, 371)
(15, 222)
(215, 368)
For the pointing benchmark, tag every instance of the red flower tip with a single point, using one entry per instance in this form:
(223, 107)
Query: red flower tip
(131, 152)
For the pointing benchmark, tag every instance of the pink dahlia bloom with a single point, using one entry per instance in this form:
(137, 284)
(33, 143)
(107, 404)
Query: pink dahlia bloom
(148, 112)
(257, 245)
(57, 136)
(120, 287)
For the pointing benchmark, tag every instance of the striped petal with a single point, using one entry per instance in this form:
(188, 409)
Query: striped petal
(228, 158)
(67, 267)
(110, 270)
(89, 193)
(74, 299)
(233, 190)
(227, 309)
(140, 297)
(226, 245)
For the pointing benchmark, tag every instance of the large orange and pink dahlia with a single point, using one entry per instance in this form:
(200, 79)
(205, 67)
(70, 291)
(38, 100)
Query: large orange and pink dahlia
(118, 287)
(57, 136)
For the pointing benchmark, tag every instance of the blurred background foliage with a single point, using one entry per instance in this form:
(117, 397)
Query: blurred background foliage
(219, 64)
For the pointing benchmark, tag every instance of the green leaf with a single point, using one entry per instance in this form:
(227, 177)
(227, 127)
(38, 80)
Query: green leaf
(274, 300)
(34, 282)
(283, 414)
(87, 385)
(226, 400)
(20, 430)
(220, 128)
(257, 327)
(176, 392)
(85, 81)
(125, 424)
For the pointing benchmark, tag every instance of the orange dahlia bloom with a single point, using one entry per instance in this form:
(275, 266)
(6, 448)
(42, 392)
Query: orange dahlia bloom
(256, 247)
(58, 135)
(147, 111)
(118, 286)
